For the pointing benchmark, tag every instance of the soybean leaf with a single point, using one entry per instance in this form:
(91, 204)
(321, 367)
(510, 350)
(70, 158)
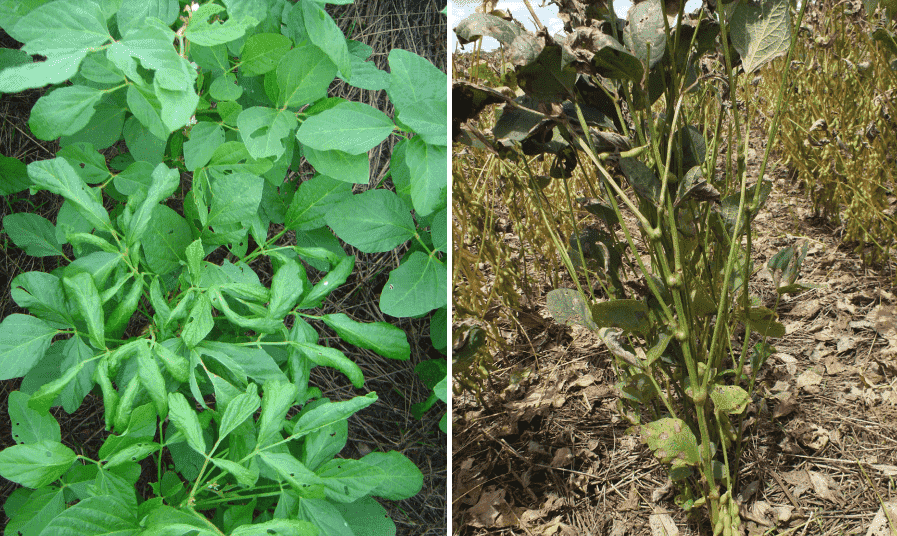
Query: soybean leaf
(199, 322)
(103, 514)
(287, 287)
(372, 221)
(59, 177)
(203, 32)
(40, 507)
(87, 162)
(184, 418)
(82, 289)
(279, 396)
(164, 182)
(165, 240)
(143, 144)
(36, 465)
(366, 516)
(235, 198)
(104, 128)
(42, 294)
(414, 79)
(352, 127)
(71, 386)
(729, 398)
(262, 52)
(329, 413)
(14, 173)
(347, 480)
(23, 342)
(325, 515)
(295, 473)
(63, 111)
(28, 425)
(313, 200)
(205, 137)
(427, 165)
(63, 31)
(326, 35)
(628, 315)
(34, 234)
(672, 441)
(333, 358)
(351, 168)
(381, 337)
(133, 12)
(417, 286)
(403, 479)
(152, 380)
(238, 410)
(760, 32)
(131, 454)
(324, 443)
(303, 75)
(255, 362)
(263, 130)
(245, 476)
(439, 231)
(645, 33)
(291, 527)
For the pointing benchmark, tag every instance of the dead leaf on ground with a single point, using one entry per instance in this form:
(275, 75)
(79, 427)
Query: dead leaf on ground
(487, 512)
(825, 487)
(809, 381)
(662, 525)
(882, 319)
(879, 525)
(562, 457)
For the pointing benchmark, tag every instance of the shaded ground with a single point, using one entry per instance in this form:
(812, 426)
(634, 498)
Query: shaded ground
(413, 25)
(548, 453)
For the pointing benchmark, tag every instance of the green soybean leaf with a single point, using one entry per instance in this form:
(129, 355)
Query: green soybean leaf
(164, 182)
(36, 465)
(104, 514)
(83, 291)
(645, 32)
(285, 527)
(15, 175)
(238, 410)
(312, 201)
(131, 454)
(372, 221)
(414, 79)
(672, 441)
(351, 127)
(37, 510)
(628, 315)
(59, 177)
(329, 413)
(347, 480)
(366, 516)
(142, 144)
(279, 396)
(104, 128)
(729, 398)
(303, 76)
(245, 476)
(203, 32)
(205, 137)
(75, 391)
(34, 234)
(184, 418)
(763, 321)
(325, 515)
(403, 479)
(351, 168)
(334, 278)
(133, 12)
(263, 130)
(381, 337)
(23, 342)
(63, 111)
(439, 231)
(164, 520)
(760, 32)
(262, 52)
(326, 35)
(63, 31)
(235, 198)
(28, 425)
(333, 358)
(199, 322)
(428, 166)
(87, 162)
(148, 110)
(151, 377)
(417, 286)
(177, 365)
(295, 473)
(287, 286)
(165, 240)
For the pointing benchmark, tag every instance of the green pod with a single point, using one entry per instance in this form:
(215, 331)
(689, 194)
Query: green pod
(126, 403)
(121, 315)
(110, 396)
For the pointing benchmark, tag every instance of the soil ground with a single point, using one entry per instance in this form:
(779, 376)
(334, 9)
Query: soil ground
(414, 25)
(548, 453)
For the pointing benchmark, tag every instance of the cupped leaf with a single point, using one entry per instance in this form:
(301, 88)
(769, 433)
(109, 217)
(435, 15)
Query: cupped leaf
(381, 337)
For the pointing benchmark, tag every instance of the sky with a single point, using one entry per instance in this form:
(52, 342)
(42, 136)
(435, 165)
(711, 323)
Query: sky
(459, 9)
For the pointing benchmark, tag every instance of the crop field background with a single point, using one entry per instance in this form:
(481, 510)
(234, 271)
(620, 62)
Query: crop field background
(414, 25)
(540, 444)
